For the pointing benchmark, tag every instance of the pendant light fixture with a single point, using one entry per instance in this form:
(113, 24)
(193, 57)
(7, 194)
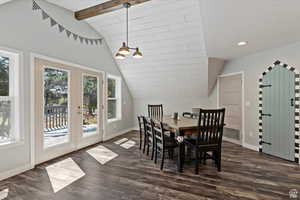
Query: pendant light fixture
(125, 49)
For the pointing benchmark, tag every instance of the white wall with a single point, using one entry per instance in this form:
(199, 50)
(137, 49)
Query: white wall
(23, 30)
(178, 103)
(253, 66)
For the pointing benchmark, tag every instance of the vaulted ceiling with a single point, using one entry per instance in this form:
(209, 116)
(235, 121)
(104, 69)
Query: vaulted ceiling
(177, 36)
(169, 34)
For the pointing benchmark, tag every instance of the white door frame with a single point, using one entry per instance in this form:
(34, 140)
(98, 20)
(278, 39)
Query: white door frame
(243, 99)
(33, 56)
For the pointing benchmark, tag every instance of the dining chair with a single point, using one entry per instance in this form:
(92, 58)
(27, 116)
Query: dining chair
(209, 137)
(142, 131)
(155, 111)
(149, 137)
(163, 143)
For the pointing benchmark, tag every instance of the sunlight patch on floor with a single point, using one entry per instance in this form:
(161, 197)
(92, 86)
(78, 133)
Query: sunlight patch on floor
(128, 144)
(118, 142)
(63, 173)
(102, 154)
(4, 193)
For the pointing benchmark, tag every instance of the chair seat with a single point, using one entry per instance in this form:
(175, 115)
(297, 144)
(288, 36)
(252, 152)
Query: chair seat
(169, 143)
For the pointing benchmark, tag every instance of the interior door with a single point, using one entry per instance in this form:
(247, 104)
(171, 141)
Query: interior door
(68, 109)
(230, 97)
(278, 113)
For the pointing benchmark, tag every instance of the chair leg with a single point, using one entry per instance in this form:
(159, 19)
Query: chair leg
(219, 160)
(148, 146)
(152, 153)
(141, 141)
(162, 160)
(205, 158)
(197, 161)
(201, 157)
(145, 142)
(153, 149)
(155, 158)
(172, 154)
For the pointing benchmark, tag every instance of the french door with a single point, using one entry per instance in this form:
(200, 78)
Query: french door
(68, 109)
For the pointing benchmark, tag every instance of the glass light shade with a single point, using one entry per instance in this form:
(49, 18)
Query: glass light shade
(124, 49)
(137, 54)
(120, 56)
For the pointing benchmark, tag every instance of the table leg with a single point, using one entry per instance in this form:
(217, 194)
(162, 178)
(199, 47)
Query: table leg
(181, 155)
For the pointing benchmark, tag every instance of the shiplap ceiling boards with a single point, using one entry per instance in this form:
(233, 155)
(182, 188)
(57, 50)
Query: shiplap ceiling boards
(4, 1)
(170, 32)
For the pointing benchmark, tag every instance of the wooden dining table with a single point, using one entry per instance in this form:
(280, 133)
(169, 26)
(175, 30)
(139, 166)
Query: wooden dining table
(181, 128)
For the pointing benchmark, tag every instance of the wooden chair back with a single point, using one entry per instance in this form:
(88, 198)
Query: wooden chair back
(148, 130)
(210, 125)
(159, 134)
(155, 111)
(141, 123)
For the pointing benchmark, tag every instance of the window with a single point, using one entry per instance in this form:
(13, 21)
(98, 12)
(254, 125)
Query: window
(8, 97)
(114, 98)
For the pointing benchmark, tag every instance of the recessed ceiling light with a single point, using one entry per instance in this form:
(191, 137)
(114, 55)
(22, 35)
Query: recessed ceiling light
(242, 43)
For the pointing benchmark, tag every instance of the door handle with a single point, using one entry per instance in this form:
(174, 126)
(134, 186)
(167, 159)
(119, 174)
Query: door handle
(268, 143)
(292, 102)
(79, 110)
(268, 115)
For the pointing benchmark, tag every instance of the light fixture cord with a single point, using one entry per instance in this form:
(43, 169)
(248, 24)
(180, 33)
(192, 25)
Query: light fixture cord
(127, 25)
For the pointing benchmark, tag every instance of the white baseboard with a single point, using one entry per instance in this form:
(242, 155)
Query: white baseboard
(136, 128)
(250, 146)
(111, 136)
(231, 140)
(16, 171)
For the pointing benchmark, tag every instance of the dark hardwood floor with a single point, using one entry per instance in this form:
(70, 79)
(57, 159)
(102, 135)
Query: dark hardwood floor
(131, 175)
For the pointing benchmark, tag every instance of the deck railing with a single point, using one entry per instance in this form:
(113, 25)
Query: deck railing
(56, 117)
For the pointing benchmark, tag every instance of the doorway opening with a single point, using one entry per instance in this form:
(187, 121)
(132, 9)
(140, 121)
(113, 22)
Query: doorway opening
(231, 96)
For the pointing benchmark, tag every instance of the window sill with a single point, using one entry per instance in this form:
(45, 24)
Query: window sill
(113, 120)
(11, 144)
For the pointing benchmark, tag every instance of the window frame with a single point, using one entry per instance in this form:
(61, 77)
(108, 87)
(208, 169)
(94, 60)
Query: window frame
(15, 59)
(117, 98)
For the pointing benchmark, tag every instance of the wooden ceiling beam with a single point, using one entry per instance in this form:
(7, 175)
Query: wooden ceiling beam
(105, 7)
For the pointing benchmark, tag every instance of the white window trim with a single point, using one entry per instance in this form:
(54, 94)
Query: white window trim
(118, 97)
(16, 59)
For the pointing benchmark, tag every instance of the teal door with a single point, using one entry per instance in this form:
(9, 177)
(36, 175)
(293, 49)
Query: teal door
(278, 113)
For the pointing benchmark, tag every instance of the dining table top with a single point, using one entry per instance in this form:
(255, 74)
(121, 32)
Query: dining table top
(181, 123)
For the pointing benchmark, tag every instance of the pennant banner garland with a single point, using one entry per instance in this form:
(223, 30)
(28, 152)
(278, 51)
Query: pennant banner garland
(62, 29)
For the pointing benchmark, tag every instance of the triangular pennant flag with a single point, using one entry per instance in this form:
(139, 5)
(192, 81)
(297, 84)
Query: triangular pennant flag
(52, 22)
(96, 42)
(100, 41)
(75, 36)
(92, 42)
(68, 33)
(35, 6)
(45, 15)
(61, 28)
(86, 41)
(81, 39)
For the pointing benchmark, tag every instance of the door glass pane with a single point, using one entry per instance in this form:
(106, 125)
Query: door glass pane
(56, 126)
(4, 76)
(90, 105)
(112, 108)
